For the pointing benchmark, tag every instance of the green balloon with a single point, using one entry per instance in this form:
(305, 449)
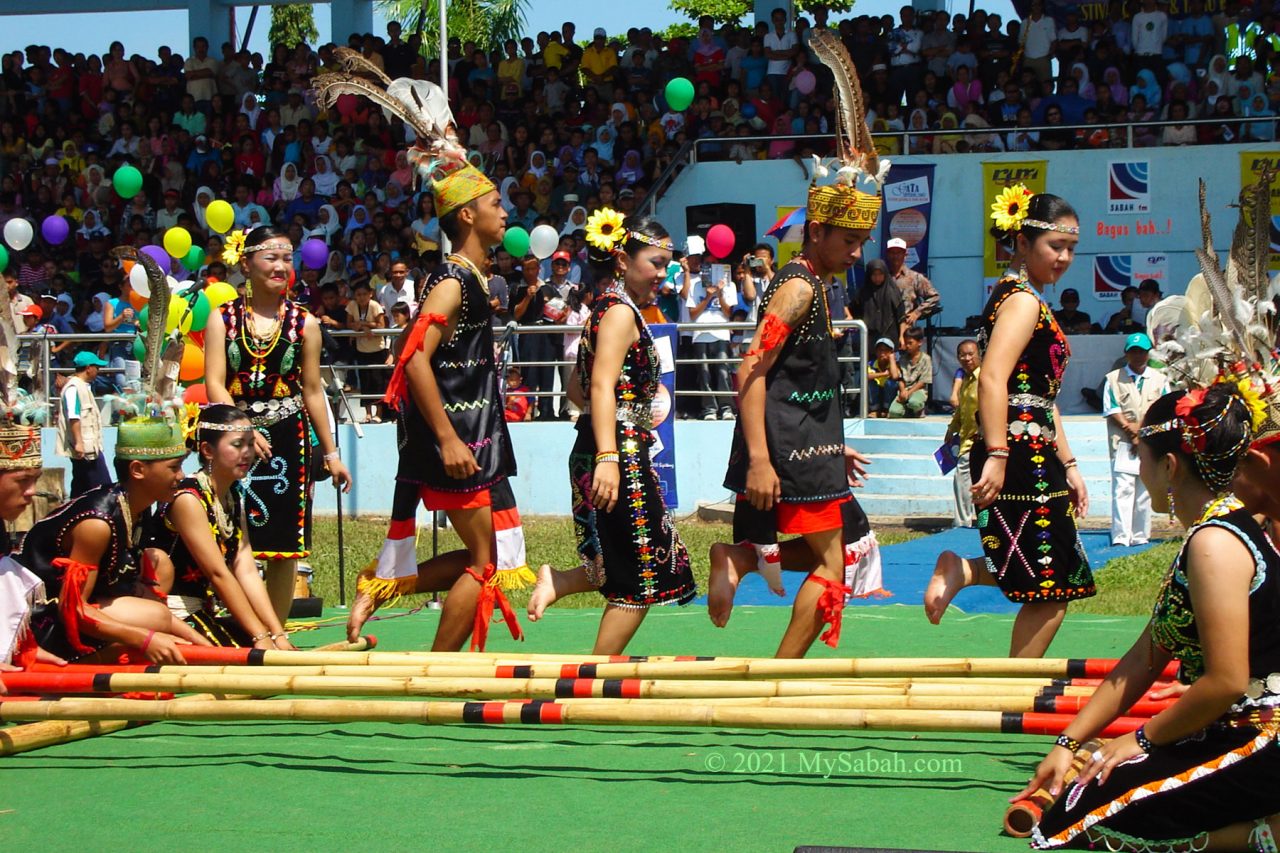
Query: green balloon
(4, 258)
(143, 315)
(679, 94)
(139, 347)
(194, 259)
(516, 242)
(127, 181)
(200, 312)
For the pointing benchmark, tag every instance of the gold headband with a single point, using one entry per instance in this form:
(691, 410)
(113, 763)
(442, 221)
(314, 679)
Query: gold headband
(1050, 226)
(284, 244)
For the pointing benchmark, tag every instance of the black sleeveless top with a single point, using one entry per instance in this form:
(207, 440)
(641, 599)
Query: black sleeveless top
(119, 568)
(188, 579)
(260, 376)
(1173, 621)
(802, 415)
(467, 376)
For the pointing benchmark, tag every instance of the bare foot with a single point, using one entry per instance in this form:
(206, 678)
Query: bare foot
(544, 593)
(948, 579)
(723, 583)
(361, 609)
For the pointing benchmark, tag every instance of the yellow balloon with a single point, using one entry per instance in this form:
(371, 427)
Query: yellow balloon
(177, 241)
(220, 216)
(179, 316)
(219, 293)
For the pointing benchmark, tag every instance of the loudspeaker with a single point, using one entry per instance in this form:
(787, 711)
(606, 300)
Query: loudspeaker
(741, 219)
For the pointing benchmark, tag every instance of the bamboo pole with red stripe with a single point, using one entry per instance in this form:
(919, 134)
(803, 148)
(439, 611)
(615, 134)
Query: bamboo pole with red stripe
(1021, 817)
(536, 712)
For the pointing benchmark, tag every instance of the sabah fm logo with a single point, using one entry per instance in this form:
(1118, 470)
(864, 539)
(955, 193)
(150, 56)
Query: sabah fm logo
(1111, 275)
(1128, 188)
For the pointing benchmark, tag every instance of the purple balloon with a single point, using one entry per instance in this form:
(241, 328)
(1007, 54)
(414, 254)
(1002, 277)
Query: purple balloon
(55, 229)
(315, 254)
(160, 256)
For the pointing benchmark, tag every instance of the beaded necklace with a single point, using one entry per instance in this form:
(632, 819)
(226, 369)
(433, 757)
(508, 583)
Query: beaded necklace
(221, 506)
(1213, 508)
(464, 261)
(264, 343)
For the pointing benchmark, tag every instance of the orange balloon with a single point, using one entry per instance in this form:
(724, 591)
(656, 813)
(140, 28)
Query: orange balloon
(197, 394)
(196, 338)
(128, 266)
(137, 300)
(192, 367)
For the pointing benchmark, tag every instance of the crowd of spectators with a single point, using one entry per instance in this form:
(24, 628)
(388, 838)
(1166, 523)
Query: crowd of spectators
(563, 128)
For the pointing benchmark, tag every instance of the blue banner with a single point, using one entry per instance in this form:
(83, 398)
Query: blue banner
(663, 451)
(908, 205)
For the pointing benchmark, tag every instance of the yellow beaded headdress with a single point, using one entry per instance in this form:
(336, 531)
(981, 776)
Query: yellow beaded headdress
(436, 153)
(843, 204)
(1224, 328)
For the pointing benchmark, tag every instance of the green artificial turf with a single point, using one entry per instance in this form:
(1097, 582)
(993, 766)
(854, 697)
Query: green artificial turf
(368, 787)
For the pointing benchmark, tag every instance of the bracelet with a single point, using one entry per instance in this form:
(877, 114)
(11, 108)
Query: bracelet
(1143, 743)
(1068, 743)
(609, 456)
(284, 634)
(998, 452)
(264, 635)
(337, 454)
(147, 641)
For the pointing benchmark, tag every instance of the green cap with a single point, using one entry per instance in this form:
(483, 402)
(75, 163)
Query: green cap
(150, 439)
(1137, 340)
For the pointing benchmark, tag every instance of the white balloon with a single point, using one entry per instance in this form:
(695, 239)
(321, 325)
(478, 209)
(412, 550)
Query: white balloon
(183, 286)
(543, 242)
(18, 234)
(138, 278)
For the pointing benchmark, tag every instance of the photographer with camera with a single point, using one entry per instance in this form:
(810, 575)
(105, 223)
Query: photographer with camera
(754, 276)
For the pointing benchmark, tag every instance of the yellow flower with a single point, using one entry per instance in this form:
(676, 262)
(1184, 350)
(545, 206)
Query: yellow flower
(604, 229)
(190, 419)
(1252, 399)
(233, 249)
(1010, 207)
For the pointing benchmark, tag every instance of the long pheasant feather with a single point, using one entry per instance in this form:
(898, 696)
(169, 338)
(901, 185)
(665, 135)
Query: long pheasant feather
(854, 143)
(353, 62)
(329, 86)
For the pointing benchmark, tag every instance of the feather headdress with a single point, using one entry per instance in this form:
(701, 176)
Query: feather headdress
(843, 204)
(1225, 326)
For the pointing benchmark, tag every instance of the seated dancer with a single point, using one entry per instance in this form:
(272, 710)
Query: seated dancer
(1204, 769)
(787, 461)
(203, 533)
(1200, 775)
(1030, 490)
(629, 548)
(88, 554)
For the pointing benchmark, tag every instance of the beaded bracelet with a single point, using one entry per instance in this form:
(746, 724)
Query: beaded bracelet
(607, 456)
(998, 452)
(1143, 743)
(329, 457)
(1071, 463)
(1068, 743)
(264, 635)
(284, 634)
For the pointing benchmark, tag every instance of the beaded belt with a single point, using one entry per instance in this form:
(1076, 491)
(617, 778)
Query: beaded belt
(1017, 429)
(267, 413)
(1030, 401)
(639, 414)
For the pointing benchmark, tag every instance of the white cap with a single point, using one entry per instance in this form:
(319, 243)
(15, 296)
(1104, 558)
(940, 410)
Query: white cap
(896, 243)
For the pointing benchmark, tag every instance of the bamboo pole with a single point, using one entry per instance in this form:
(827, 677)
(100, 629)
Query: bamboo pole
(1022, 816)
(24, 738)
(1029, 697)
(721, 668)
(603, 713)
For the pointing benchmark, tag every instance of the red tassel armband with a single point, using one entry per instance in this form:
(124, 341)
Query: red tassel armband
(490, 596)
(831, 607)
(773, 333)
(71, 603)
(398, 385)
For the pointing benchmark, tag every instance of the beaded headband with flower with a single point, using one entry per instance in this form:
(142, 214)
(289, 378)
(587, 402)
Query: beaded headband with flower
(1195, 432)
(605, 229)
(233, 248)
(1011, 207)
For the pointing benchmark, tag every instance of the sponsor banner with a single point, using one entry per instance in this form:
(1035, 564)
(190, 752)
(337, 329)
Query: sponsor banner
(1128, 187)
(908, 205)
(1090, 11)
(1251, 164)
(1113, 273)
(663, 451)
(790, 242)
(995, 177)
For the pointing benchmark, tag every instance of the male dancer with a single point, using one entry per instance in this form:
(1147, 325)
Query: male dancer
(455, 450)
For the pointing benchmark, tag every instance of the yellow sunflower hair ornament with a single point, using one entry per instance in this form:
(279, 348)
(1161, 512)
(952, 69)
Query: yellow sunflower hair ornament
(190, 420)
(605, 230)
(1010, 207)
(233, 248)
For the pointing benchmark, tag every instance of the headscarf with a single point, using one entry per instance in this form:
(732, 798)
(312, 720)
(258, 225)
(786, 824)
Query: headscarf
(542, 194)
(564, 157)
(326, 230)
(286, 187)
(332, 273)
(354, 222)
(1147, 87)
(393, 199)
(254, 112)
(1084, 88)
(198, 209)
(403, 175)
(95, 321)
(604, 142)
(918, 120)
(326, 180)
(509, 184)
(619, 106)
(571, 225)
(973, 120)
(706, 43)
(1111, 79)
(537, 171)
(632, 169)
(1264, 131)
(1223, 77)
(97, 229)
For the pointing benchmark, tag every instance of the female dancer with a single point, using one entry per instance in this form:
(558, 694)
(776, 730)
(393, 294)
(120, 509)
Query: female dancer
(629, 547)
(203, 531)
(1200, 775)
(263, 355)
(1030, 484)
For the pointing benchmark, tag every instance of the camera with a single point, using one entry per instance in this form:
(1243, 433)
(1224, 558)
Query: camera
(756, 263)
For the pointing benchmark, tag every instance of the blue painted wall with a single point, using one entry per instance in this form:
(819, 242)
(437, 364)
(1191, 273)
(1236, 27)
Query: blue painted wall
(960, 211)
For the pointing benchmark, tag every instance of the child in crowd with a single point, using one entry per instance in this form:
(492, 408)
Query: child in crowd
(882, 379)
(917, 375)
(963, 427)
(516, 405)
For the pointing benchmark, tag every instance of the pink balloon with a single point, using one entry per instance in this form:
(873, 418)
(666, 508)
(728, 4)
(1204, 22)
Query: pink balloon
(720, 240)
(804, 82)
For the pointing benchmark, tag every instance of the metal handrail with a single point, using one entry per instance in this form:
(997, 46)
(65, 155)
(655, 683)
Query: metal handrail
(904, 136)
(681, 158)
